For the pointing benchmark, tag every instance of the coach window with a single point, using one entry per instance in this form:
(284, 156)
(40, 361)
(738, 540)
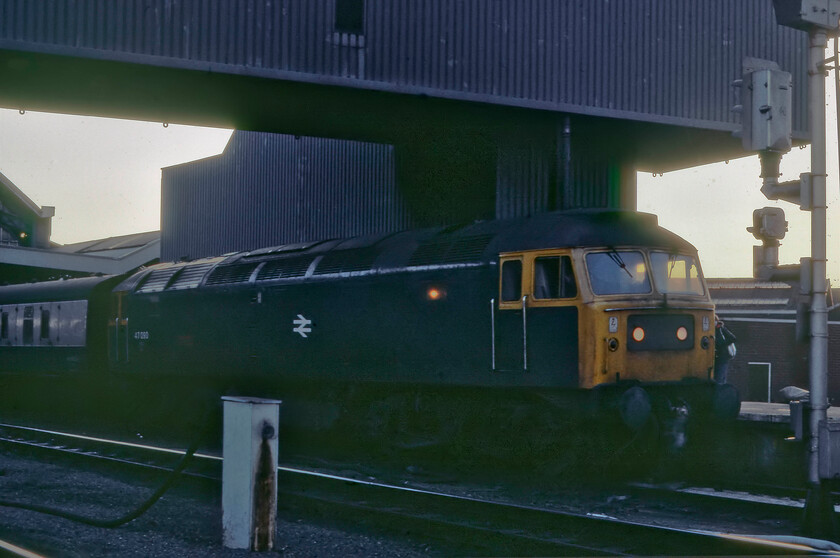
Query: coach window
(28, 325)
(511, 280)
(4, 325)
(554, 278)
(45, 324)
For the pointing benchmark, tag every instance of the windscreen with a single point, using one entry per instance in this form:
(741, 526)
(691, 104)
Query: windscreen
(617, 272)
(676, 273)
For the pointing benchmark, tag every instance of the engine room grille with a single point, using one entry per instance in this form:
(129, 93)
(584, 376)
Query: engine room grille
(230, 274)
(156, 280)
(447, 251)
(190, 277)
(346, 261)
(285, 268)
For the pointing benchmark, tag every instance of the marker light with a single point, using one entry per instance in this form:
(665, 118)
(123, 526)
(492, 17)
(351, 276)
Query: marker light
(434, 293)
(638, 334)
(682, 333)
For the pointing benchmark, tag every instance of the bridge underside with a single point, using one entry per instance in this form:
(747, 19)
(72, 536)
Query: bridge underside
(447, 150)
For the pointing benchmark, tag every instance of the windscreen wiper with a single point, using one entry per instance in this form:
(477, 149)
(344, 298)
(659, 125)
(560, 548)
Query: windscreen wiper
(672, 260)
(616, 257)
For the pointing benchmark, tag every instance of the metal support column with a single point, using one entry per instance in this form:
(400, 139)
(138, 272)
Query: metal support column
(819, 509)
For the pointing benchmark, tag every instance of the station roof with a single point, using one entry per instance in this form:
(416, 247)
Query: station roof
(110, 256)
(746, 295)
(20, 203)
(749, 298)
(43, 259)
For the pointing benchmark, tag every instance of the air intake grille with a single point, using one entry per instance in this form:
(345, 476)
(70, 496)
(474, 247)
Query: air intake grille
(190, 277)
(446, 251)
(285, 268)
(230, 274)
(346, 261)
(157, 280)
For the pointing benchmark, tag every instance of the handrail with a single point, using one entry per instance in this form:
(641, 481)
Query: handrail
(125, 323)
(492, 334)
(524, 333)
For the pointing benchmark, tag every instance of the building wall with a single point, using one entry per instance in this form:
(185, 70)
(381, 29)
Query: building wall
(762, 340)
(269, 189)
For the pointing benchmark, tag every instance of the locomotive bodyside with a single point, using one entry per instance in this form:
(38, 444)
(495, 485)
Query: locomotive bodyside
(523, 315)
(544, 303)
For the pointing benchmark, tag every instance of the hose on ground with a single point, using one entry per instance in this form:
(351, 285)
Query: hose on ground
(140, 510)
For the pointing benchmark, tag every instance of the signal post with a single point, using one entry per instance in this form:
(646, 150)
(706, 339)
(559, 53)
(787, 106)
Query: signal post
(766, 128)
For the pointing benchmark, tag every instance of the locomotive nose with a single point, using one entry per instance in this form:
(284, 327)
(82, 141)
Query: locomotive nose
(634, 407)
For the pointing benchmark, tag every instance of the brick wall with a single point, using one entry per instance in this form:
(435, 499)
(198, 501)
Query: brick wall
(775, 343)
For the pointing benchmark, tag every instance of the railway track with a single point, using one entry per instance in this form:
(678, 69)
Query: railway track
(461, 522)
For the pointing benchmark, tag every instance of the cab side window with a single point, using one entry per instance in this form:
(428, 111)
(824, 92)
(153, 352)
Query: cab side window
(511, 280)
(554, 278)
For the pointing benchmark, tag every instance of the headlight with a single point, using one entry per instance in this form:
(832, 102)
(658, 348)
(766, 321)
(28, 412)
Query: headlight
(638, 334)
(682, 333)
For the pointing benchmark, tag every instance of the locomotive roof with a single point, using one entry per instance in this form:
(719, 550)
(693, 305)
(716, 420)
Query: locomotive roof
(49, 291)
(587, 228)
(473, 244)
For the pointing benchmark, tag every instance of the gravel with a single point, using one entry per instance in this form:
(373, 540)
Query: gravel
(185, 522)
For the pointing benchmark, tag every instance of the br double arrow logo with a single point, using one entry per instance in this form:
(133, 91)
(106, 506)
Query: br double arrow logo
(302, 326)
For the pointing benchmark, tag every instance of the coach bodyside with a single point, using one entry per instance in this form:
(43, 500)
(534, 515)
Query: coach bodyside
(54, 327)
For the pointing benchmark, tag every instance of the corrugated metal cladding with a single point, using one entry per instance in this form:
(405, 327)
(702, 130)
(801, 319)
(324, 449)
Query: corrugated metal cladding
(656, 60)
(525, 182)
(270, 189)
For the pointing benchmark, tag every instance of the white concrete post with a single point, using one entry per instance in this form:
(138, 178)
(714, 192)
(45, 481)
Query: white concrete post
(249, 472)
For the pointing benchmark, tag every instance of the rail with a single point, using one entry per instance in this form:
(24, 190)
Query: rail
(514, 526)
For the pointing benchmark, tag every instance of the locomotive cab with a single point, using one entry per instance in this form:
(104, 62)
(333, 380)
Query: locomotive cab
(650, 317)
(640, 317)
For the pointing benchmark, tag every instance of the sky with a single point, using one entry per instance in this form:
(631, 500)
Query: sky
(103, 177)
(711, 206)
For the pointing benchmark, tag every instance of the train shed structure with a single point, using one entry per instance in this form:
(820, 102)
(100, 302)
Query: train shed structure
(489, 109)
(28, 254)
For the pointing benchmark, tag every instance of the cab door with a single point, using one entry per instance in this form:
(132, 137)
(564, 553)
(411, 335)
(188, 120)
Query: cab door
(552, 318)
(118, 333)
(510, 316)
(535, 320)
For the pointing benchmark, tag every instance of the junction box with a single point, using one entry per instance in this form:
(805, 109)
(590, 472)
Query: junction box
(249, 472)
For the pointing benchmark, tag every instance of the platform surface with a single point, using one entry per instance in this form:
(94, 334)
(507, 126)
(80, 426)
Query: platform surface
(774, 412)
